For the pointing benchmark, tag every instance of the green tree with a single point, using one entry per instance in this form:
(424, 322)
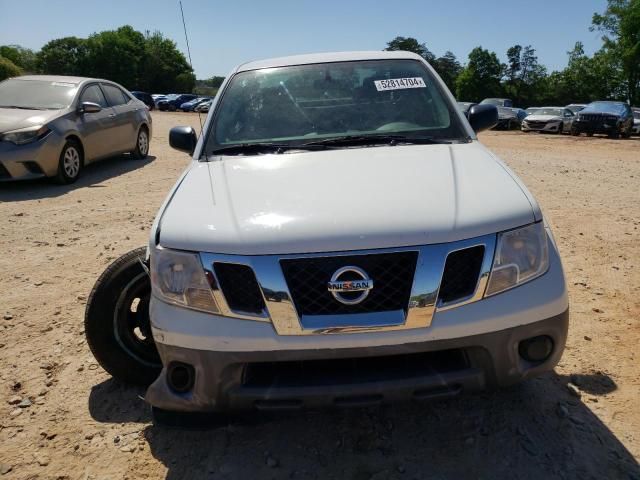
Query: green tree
(116, 55)
(162, 65)
(24, 58)
(448, 68)
(480, 78)
(8, 68)
(410, 44)
(185, 82)
(523, 76)
(63, 56)
(620, 26)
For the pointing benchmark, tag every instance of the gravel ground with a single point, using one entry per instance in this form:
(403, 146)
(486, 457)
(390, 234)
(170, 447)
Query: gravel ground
(62, 417)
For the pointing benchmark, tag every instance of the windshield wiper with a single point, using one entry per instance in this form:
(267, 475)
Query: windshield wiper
(262, 147)
(352, 140)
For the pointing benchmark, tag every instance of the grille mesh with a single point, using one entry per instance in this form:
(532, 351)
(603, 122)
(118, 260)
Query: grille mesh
(392, 275)
(239, 287)
(461, 273)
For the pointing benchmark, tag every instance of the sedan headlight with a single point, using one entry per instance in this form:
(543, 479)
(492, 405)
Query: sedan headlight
(25, 135)
(178, 278)
(521, 255)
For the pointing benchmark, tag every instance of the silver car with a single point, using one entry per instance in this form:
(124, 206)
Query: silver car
(52, 126)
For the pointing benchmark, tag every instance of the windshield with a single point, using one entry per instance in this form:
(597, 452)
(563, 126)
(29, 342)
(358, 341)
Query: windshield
(493, 101)
(558, 112)
(303, 103)
(36, 94)
(606, 107)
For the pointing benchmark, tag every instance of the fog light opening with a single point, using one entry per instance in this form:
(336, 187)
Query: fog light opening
(536, 349)
(180, 377)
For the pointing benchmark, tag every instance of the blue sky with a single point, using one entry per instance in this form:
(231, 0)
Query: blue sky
(225, 33)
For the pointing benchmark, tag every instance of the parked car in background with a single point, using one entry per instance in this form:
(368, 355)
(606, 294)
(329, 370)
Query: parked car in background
(636, 121)
(509, 118)
(465, 107)
(530, 110)
(498, 102)
(52, 126)
(158, 98)
(191, 104)
(173, 102)
(549, 119)
(614, 119)
(203, 107)
(576, 107)
(145, 98)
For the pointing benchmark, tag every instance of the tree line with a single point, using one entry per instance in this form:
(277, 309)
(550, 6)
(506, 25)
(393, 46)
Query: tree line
(139, 61)
(612, 73)
(150, 62)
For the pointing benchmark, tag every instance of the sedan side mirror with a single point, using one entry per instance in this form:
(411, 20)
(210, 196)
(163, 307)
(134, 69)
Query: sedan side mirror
(89, 107)
(483, 117)
(183, 139)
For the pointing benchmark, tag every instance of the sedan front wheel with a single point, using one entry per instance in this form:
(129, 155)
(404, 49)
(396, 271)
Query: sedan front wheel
(70, 163)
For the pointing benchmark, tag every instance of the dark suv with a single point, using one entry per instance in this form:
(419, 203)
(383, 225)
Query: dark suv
(614, 119)
(173, 102)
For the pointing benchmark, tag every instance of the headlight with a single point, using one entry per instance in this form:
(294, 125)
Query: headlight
(25, 135)
(521, 255)
(178, 278)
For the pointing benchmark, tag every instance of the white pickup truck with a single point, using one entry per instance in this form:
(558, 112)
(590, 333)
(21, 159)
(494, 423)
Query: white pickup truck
(339, 238)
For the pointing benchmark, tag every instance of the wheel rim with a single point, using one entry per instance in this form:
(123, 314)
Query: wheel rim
(131, 323)
(143, 142)
(71, 162)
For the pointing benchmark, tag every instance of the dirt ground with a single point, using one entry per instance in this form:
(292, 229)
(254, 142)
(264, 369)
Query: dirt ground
(74, 422)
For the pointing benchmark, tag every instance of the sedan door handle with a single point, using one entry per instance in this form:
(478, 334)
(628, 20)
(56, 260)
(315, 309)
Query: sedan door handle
(112, 115)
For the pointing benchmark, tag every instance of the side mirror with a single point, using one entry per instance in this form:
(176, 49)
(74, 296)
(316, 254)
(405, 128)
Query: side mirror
(183, 139)
(483, 117)
(89, 107)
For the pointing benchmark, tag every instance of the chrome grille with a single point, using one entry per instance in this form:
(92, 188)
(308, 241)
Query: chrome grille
(416, 283)
(461, 274)
(307, 280)
(239, 287)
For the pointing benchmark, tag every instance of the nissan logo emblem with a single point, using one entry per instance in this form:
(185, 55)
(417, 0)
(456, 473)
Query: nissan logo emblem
(338, 285)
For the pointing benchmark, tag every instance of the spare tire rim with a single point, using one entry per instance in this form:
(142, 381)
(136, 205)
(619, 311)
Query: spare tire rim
(131, 324)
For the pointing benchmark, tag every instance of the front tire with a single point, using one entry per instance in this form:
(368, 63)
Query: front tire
(116, 322)
(142, 144)
(70, 163)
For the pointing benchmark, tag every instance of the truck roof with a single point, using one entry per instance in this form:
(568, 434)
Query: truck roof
(326, 58)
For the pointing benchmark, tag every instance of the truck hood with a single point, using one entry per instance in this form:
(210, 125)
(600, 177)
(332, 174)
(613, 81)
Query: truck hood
(349, 199)
(15, 118)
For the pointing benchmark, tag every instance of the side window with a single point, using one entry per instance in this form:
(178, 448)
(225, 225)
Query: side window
(93, 94)
(115, 95)
(568, 113)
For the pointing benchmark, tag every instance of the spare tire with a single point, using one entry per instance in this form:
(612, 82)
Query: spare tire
(116, 321)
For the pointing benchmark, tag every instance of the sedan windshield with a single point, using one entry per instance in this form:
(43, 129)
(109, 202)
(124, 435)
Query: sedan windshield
(36, 94)
(557, 112)
(300, 104)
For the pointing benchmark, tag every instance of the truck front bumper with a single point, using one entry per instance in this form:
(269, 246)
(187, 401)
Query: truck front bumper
(230, 363)
(294, 379)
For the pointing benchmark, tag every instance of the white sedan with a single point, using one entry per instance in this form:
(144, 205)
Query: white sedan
(549, 119)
